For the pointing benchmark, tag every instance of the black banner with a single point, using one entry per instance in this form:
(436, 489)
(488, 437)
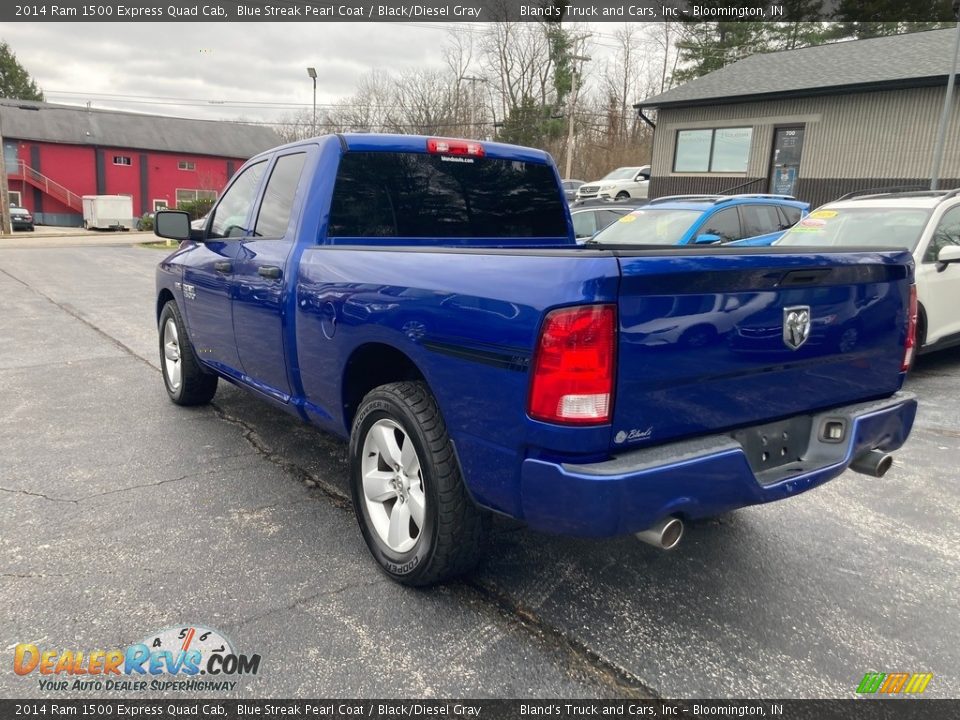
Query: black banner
(856, 709)
(477, 11)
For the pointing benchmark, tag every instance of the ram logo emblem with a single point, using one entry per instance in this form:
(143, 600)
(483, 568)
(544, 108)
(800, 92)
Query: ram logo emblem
(796, 326)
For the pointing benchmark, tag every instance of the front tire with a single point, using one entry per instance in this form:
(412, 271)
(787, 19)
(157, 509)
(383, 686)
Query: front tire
(623, 195)
(412, 506)
(187, 383)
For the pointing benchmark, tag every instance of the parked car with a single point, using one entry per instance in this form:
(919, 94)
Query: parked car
(145, 221)
(591, 216)
(706, 220)
(927, 223)
(570, 189)
(20, 218)
(622, 183)
(426, 299)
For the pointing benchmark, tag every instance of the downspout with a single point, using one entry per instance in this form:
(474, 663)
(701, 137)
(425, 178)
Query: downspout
(648, 121)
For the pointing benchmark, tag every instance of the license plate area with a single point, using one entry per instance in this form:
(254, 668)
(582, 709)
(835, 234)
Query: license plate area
(775, 444)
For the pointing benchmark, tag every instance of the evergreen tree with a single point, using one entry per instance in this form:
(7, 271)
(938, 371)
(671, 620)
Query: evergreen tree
(15, 81)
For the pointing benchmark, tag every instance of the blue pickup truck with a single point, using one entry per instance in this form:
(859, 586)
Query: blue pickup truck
(425, 298)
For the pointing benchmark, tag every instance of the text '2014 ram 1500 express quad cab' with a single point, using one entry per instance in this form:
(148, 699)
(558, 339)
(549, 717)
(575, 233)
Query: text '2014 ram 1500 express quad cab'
(425, 298)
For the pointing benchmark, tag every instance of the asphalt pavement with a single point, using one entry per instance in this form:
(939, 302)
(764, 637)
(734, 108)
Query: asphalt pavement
(121, 514)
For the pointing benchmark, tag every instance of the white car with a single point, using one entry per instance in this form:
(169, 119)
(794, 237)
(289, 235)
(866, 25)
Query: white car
(926, 222)
(622, 183)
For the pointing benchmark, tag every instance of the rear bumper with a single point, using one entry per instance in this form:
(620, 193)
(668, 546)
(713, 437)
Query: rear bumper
(700, 477)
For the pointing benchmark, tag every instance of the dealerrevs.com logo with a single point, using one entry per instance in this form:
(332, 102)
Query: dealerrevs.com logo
(192, 658)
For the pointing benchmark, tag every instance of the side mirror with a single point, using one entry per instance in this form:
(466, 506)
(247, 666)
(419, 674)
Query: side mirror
(948, 254)
(643, 176)
(172, 224)
(707, 239)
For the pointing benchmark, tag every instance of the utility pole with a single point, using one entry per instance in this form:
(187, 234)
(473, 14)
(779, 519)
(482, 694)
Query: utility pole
(471, 100)
(5, 228)
(947, 106)
(571, 105)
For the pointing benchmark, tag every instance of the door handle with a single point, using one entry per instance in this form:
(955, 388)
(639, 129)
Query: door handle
(269, 271)
(223, 266)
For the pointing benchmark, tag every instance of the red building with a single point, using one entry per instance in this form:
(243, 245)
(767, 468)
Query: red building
(55, 154)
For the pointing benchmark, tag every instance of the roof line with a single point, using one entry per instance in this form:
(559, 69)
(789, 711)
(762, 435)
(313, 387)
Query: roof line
(880, 85)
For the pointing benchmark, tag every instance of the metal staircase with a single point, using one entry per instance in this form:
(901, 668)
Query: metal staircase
(50, 187)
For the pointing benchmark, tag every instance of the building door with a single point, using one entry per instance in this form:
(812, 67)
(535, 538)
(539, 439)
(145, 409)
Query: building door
(10, 157)
(785, 161)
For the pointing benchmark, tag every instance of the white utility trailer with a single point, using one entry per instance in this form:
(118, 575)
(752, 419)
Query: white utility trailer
(108, 212)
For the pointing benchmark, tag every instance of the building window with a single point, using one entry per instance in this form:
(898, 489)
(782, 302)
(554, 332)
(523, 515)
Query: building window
(723, 150)
(186, 165)
(159, 205)
(14, 198)
(186, 195)
(121, 160)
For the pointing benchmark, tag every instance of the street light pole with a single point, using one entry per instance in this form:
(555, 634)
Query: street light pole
(312, 72)
(947, 106)
(573, 100)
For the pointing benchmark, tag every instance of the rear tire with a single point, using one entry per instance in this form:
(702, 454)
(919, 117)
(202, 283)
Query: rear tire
(187, 383)
(408, 494)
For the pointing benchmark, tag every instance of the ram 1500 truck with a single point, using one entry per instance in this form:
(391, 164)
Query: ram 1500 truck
(425, 298)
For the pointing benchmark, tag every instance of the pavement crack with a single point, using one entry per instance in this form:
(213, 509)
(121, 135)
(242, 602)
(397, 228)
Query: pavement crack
(335, 495)
(299, 602)
(39, 495)
(105, 493)
(580, 657)
(72, 312)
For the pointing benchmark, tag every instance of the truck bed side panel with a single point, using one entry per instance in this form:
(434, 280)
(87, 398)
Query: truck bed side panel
(468, 321)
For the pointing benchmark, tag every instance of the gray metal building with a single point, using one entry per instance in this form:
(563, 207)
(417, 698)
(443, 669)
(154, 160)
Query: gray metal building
(815, 122)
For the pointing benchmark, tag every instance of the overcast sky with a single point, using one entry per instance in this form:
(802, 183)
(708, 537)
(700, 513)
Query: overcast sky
(238, 63)
(221, 62)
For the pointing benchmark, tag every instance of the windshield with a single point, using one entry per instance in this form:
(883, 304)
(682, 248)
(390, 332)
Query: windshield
(627, 173)
(649, 227)
(859, 227)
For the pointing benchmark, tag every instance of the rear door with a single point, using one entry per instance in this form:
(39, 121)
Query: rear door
(208, 273)
(260, 280)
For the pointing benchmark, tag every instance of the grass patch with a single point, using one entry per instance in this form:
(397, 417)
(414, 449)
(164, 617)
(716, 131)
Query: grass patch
(159, 245)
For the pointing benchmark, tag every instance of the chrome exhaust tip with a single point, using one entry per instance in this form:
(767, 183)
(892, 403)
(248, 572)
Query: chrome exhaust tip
(665, 534)
(875, 463)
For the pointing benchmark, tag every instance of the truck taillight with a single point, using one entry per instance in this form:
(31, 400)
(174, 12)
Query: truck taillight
(573, 366)
(442, 146)
(910, 346)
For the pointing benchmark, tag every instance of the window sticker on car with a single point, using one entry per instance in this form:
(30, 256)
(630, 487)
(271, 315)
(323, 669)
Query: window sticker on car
(823, 214)
(810, 224)
(628, 218)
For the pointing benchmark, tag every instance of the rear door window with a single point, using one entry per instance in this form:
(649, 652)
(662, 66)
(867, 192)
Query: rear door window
(411, 195)
(278, 197)
(792, 214)
(760, 220)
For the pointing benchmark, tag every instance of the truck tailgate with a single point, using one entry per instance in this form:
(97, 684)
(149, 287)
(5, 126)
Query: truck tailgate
(712, 342)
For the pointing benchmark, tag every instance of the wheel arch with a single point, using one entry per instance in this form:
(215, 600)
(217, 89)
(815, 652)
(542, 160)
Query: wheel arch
(369, 366)
(163, 297)
(921, 325)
